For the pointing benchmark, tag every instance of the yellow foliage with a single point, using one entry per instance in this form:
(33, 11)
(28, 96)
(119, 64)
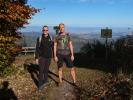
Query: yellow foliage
(12, 17)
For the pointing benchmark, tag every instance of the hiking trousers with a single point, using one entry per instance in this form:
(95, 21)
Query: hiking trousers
(44, 64)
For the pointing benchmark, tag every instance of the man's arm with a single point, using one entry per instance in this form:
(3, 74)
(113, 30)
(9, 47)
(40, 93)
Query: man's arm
(37, 51)
(71, 50)
(55, 49)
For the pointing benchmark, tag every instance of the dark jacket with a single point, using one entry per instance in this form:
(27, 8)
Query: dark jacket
(43, 47)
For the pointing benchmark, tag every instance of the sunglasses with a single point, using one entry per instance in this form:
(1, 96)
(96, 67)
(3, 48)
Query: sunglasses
(45, 30)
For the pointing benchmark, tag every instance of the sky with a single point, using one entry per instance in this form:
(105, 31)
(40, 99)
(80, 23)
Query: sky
(84, 13)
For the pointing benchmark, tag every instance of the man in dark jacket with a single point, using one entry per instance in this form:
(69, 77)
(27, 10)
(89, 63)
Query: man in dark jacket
(43, 56)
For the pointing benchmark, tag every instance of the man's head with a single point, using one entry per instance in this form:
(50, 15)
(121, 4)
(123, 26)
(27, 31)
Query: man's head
(61, 28)
(45, 30)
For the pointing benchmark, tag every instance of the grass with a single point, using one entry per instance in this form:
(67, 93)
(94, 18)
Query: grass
(23, 84)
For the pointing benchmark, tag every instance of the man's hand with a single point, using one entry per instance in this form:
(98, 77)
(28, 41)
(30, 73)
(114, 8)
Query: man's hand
(37, 61)
(55, 58)
(72, 57)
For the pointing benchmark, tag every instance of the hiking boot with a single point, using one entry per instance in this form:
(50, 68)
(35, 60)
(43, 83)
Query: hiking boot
(42, 86)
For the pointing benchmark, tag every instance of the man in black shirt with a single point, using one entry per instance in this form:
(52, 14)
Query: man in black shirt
(43, 56)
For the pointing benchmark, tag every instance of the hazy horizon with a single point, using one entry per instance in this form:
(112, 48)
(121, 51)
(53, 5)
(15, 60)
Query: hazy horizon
(82, 30)
(84, 33)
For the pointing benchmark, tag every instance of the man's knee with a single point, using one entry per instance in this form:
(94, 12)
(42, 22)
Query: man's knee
(60, 69)
(72, 69)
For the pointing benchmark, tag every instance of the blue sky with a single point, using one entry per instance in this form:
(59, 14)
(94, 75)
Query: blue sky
(83, 12)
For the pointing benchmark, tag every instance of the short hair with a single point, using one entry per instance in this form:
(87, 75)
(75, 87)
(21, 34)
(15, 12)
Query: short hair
(61, 24)
(44, 27)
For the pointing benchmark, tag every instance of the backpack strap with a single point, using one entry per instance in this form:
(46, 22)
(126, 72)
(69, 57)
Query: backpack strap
(38, 43)
(40, 39)
(50, 37)
(68, 36)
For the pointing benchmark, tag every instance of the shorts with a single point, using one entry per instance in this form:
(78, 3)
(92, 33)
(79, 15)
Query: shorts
(66, 59)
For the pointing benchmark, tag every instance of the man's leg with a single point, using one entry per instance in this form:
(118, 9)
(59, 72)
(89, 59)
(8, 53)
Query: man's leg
(46, 69)
(60, 65)
(60, 74)
(41, 71)
(73, 74)
(70, 65)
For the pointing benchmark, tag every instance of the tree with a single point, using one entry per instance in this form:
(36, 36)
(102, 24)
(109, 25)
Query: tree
(13, 16)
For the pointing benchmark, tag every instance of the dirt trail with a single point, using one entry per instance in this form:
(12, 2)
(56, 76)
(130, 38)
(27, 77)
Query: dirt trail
(66, 91)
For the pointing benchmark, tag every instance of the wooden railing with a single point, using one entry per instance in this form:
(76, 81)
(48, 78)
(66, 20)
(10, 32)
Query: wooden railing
(26, 50)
